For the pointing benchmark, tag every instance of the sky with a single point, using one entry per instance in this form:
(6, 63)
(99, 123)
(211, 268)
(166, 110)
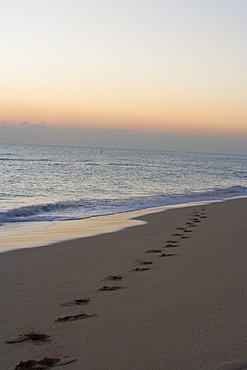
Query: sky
(157, 68)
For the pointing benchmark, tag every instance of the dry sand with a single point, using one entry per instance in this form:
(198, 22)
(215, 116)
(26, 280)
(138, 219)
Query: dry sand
(184, 311)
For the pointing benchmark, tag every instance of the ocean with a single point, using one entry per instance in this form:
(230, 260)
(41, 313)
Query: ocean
(43, 184)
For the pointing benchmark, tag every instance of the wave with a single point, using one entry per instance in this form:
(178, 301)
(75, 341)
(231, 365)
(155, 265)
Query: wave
(234, 190)
(241, 174)
(25, 160)
(9, 154)
(67, 210)
(218, 191)
(124, 164)
(37, 209)
(9, 196)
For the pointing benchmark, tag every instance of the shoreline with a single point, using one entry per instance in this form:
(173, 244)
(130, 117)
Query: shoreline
(59, 231)
(185, 311)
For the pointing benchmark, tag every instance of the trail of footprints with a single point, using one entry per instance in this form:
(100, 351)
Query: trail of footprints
(143, 265)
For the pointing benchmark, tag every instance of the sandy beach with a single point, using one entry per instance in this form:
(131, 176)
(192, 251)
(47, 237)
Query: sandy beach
(168, 294)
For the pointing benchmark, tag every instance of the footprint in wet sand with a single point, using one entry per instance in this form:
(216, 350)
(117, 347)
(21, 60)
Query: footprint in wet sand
(177, 234)
(77, 302)
(80, 316)
(184, 229)
(114, 277)
(143, 262)
(34, 337)
(167, 254)
(142, 269)
(109, 288)
(45, 363)
(153, 251)
(171, 245)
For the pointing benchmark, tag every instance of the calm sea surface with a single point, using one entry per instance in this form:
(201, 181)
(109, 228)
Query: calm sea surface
(40, 184)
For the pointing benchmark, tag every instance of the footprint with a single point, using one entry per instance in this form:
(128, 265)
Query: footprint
(153, 251)
(169, 245)
(31, 336)
(177, 234)
(45, 363)
(80, 316)
(187, 231)
(114, 277)
(184, 237)
(109, 288)
(143, 262)
(196, 220)
(179, 228)
(142, 269)
(167, 254)
(77, 302)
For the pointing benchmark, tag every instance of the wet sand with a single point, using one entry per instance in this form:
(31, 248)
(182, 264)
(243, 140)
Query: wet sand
(168, 294)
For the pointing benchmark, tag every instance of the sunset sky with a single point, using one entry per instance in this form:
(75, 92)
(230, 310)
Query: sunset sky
(177, 67)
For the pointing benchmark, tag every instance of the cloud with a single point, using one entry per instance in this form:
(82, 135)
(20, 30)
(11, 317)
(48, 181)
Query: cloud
(42, 125)
(34, 125)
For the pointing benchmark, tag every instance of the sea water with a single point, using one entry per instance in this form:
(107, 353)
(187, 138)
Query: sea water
(43, 184)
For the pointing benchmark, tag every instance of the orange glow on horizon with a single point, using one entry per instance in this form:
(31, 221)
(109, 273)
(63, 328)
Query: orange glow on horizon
(184, 114)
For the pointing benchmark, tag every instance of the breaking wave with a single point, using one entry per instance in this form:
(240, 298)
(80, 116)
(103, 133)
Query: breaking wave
(69, 210)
